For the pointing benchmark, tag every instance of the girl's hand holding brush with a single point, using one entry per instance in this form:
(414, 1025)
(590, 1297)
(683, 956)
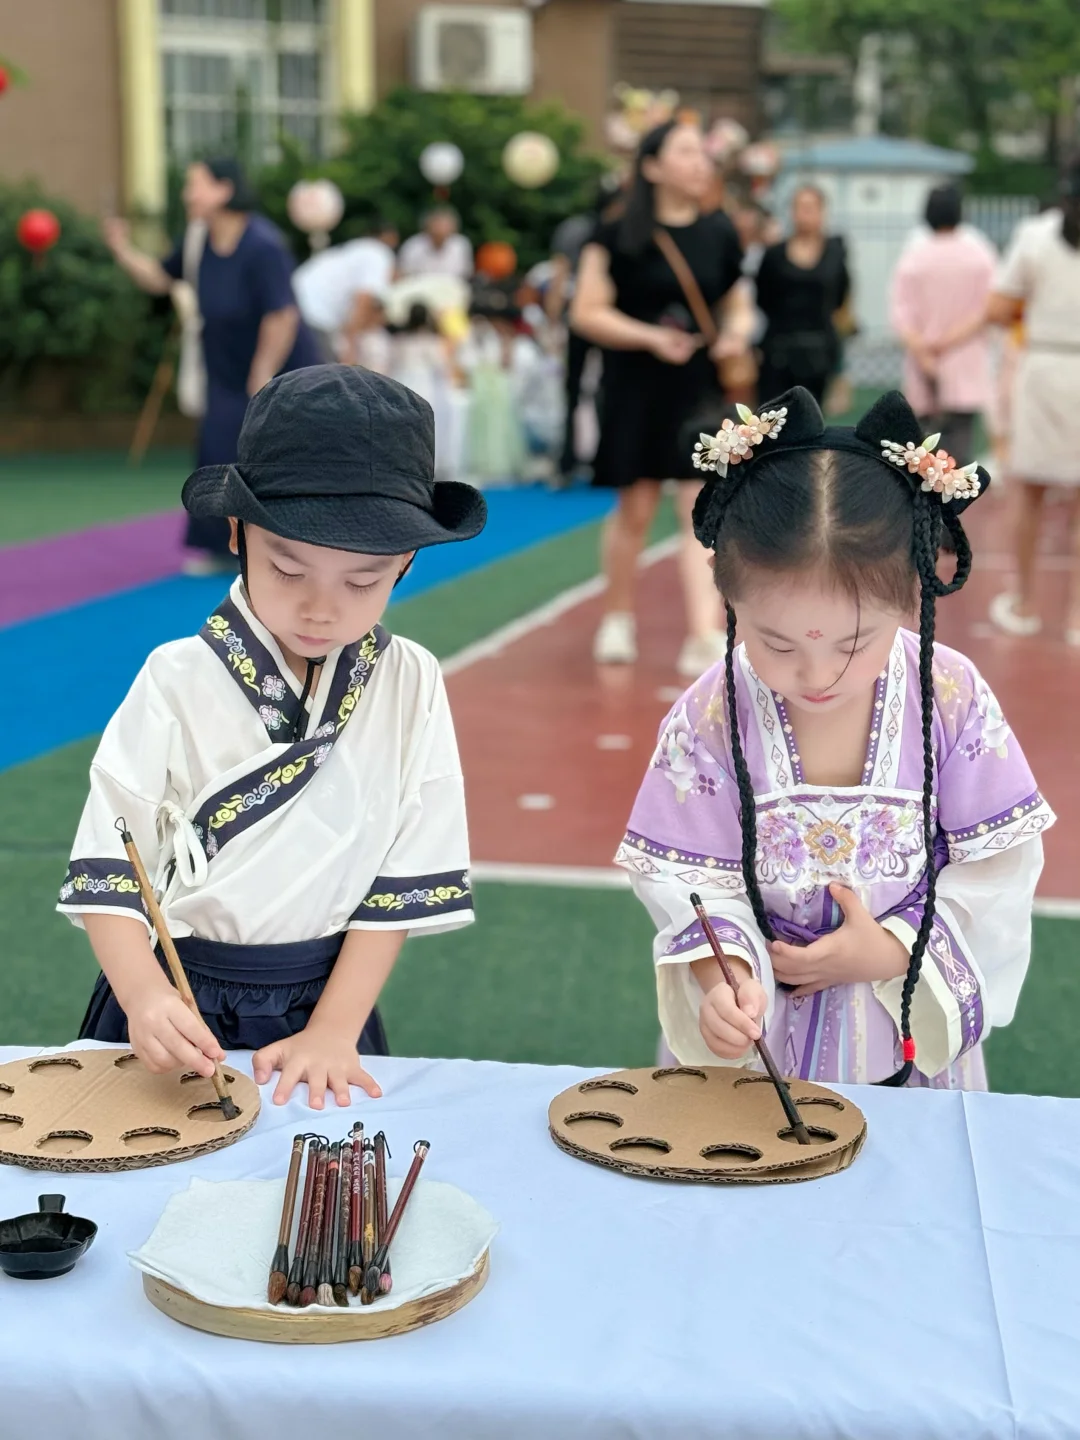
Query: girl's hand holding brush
(729, 1024)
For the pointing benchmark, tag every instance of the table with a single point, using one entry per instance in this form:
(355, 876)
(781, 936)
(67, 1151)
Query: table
(931, 1292)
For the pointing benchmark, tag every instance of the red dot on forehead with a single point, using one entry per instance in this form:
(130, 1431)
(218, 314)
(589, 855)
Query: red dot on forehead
(814, 634)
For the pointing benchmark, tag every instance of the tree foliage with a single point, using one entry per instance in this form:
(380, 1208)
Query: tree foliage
(963, 63)
(378, 171)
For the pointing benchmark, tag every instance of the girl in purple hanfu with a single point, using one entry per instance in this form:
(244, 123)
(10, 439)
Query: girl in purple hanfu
(845, 795)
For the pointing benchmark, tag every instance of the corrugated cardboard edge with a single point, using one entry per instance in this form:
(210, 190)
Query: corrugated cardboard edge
(786, 1175)
(88, 1063)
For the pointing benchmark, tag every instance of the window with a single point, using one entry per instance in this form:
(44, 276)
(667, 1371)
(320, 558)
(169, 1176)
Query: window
(239, 74)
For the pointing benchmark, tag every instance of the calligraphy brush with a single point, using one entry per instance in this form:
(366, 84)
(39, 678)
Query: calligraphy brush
(325, 1292)
(341, 1232)
(311, 1268)
(378, 1264)
(303, 1231)
(176, 968)
(381, 1151)
(279, 1268)
(798, 1129)
(356, 1210)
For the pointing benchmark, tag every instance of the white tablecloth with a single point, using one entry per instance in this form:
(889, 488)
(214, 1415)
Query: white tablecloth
(932, 1290)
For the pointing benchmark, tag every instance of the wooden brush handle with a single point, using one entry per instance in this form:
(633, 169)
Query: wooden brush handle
(168, 949)
(794, 1119)
(420, 1151)
(289, 1205)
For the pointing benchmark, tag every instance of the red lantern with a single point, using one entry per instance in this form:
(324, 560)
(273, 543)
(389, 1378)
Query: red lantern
(37, 231)
(5, 79)
(496, 259)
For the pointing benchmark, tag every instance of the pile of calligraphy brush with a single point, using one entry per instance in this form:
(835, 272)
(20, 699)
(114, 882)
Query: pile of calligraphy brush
(344, 1233)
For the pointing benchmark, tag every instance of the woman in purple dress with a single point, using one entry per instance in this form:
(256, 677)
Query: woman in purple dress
(845, 795)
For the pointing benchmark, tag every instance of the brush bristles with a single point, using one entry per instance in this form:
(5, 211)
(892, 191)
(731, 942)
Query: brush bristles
(229, 1109)
(292, 1294)
(275, 1291)
(386, 1283)
(341, 1295)
(372, 1280)
(355, 1276)
(325, 1294)
(307, 1296)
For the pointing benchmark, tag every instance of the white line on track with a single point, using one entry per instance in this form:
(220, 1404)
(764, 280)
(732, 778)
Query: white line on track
(547, 614)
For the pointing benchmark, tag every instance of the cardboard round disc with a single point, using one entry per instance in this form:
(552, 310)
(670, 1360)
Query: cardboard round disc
(716, 1124)
(86, 1110)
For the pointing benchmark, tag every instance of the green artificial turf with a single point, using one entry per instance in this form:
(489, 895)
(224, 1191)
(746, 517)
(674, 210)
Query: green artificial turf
(44, 495)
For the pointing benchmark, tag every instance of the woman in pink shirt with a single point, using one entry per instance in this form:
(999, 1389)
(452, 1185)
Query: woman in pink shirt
(940, 291)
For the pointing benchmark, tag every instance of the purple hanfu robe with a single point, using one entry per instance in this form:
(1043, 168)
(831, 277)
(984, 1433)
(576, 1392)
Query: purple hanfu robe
(684, 835)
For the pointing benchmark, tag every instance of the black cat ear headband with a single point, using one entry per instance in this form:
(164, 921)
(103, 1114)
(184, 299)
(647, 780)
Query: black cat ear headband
(889, 432)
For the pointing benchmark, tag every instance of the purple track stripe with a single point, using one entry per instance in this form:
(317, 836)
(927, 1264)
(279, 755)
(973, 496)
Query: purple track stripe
(64, 570)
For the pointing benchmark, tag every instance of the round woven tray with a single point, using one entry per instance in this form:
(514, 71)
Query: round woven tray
(304, 1327)
(101, 1110)
(717, 1125)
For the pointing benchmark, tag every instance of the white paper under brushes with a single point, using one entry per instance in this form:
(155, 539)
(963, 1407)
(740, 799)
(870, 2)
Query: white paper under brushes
(216, 1241)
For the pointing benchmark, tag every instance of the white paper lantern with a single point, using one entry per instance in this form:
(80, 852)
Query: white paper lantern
(530, 159)
(441, 163)
(315, 206)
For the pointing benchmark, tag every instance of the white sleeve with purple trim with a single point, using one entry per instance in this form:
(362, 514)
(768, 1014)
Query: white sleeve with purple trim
(977, 955)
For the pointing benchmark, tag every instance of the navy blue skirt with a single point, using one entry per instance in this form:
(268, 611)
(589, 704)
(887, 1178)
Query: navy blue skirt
(249, 995)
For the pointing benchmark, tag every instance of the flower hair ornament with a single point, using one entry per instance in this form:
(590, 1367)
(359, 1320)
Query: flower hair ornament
(888, 433)
(936, 469)
(733, 442)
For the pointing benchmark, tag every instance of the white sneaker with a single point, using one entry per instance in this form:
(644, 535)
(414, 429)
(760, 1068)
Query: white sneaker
(616, 640)
(700, 653)
(1003, 614)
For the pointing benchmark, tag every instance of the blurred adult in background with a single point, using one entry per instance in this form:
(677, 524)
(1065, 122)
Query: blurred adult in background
(569, 240)
(240, 268)
(801, 283)
(659, 374)
(439, 248)
(340, 290)
(940, 290)
(567, 244)
(1040, 280)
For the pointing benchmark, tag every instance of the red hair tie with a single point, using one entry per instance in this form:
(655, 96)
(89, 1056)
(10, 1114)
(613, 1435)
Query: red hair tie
(909, 1049)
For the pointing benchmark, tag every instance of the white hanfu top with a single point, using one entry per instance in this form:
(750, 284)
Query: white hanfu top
(253, 839)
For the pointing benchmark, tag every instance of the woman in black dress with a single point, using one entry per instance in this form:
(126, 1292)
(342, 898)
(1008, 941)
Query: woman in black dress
(801, 283)
(659, 374)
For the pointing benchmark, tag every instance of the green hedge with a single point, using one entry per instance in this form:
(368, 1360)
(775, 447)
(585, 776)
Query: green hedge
(73, 327)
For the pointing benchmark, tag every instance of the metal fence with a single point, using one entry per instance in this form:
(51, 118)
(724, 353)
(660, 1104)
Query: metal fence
(874, 357)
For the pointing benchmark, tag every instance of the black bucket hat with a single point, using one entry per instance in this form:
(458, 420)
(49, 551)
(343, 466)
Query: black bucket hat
(339, 456)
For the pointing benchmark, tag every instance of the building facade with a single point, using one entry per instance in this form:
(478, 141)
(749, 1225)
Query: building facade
(120, 89)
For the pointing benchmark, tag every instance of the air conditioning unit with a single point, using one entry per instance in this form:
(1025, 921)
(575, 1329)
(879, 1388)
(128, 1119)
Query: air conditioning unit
(485, 49)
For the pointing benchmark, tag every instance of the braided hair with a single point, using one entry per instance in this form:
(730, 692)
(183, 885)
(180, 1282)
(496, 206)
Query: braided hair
(825, 502)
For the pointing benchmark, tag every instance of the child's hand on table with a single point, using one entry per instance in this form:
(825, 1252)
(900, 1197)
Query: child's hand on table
(859, 949)
(325, 1058)
(165, 1034)
(730, 1024)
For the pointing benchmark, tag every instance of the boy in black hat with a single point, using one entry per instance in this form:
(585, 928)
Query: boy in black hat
(290, 775)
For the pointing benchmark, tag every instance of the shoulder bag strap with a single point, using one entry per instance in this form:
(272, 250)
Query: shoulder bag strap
(690, 287)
